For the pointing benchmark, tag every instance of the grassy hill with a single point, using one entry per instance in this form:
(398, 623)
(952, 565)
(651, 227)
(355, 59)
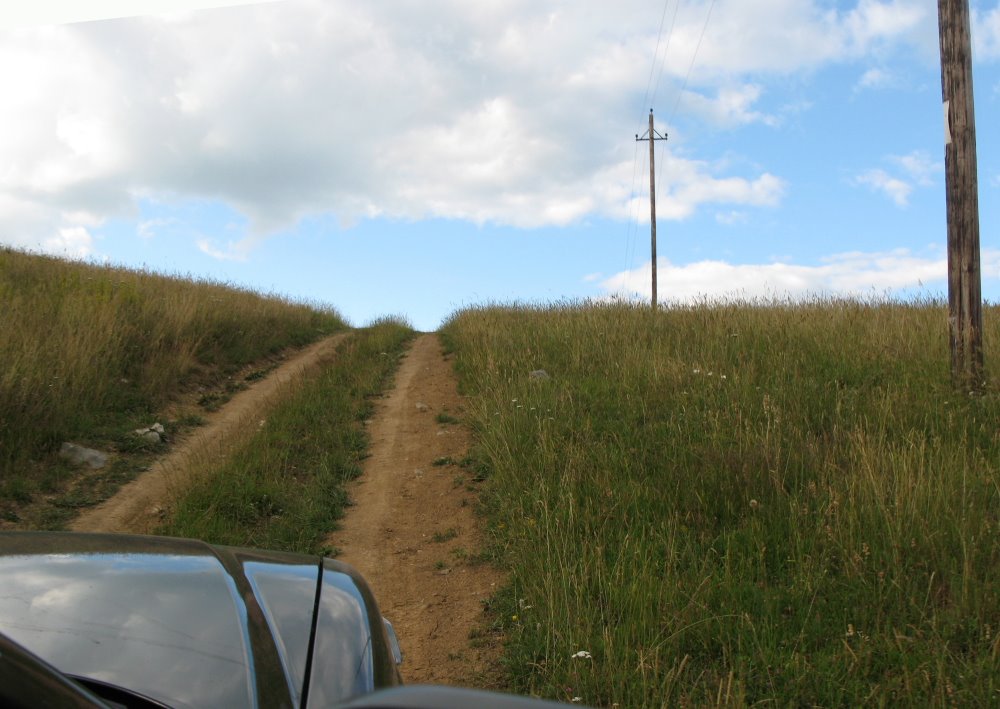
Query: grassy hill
(784, 504)
(727, 505)
(89, 351)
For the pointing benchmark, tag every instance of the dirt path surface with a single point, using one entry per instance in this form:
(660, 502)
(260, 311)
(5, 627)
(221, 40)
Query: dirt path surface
(138, 506)
(412, 526)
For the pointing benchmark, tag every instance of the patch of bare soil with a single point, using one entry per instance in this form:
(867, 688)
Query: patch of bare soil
(139, 506)
(412, 527)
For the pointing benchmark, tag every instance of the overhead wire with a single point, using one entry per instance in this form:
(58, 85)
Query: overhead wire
(656, 54)
(663, 64)
(697, 48)
(633, 224)
(687, 77)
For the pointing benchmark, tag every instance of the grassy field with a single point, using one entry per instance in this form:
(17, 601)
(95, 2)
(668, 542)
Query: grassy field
(284, 487)
(735, 505)
(89, 351)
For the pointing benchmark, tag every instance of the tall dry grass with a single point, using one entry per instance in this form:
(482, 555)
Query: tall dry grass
(731, 505)
(83, 344)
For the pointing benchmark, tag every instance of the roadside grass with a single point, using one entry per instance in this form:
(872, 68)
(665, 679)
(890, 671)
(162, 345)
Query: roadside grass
(59, 490)
(89, 352)
(738, 504)
(284, 486)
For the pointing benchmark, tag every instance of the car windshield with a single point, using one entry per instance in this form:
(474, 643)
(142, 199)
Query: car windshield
(129, 620)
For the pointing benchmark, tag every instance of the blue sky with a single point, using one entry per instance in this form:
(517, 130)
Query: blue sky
(417, 157)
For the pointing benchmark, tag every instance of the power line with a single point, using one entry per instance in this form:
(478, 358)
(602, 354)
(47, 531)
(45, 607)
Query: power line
(666, 50)
(633, 215)
(646, 101)
(694, 56)
(687, 77)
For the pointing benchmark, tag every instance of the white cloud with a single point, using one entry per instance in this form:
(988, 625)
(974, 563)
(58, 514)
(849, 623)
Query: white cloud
(732, 217)
(916, 167)
(731, 106)
(919, 166)
(71, 242)
(234, 251)
(792, 35)
(47, 12)
(986, 33)
(848, 274)
(873, 21)
(682, 186)
(880, 181)
(875, 78)
(507, 112)
(147, 229)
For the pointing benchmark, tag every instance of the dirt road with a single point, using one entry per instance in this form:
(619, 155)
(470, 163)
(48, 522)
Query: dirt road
(412, 529)
(413, 526)
(138, 506)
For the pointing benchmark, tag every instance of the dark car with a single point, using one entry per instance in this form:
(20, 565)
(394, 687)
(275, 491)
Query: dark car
(102, 620)
(189, 624)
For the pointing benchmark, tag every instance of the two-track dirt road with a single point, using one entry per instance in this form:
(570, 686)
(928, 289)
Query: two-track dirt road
(412, 528)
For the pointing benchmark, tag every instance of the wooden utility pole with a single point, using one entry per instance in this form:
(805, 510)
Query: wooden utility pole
(652, 136)
(965, 313)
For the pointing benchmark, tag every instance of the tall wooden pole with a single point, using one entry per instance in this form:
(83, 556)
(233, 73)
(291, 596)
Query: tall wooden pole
(652, 204)
(652, 136)
(965, 314)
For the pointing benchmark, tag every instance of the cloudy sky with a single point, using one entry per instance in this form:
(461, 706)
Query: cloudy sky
(417, 156)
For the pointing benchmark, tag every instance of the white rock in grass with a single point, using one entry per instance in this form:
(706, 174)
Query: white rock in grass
(153, 434)
(79, 455)
(147, 434)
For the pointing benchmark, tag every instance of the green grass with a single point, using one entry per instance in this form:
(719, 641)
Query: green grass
(780, 504)
(444, 536)
(89, 351)
(284, 487)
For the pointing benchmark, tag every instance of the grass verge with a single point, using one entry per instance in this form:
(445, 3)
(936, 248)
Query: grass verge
(89, 353)
(284, 487)
(733, 505)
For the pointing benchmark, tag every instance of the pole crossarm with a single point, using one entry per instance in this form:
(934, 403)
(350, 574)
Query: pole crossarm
(645, 136)
(652, 135)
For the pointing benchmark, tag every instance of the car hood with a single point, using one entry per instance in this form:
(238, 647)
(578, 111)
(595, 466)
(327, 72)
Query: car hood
(191, 624)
